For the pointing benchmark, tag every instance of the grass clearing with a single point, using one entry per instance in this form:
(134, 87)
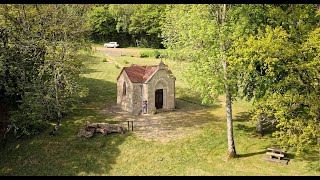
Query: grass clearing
(202, 152)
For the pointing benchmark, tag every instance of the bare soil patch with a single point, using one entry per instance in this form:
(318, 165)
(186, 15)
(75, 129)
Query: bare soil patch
(164, 126)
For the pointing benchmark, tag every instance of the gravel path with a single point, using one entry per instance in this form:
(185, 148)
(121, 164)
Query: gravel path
(164, 126)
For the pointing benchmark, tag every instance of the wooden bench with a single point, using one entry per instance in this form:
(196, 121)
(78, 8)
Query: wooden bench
(272, 154)
(276, 150)
(276, 155)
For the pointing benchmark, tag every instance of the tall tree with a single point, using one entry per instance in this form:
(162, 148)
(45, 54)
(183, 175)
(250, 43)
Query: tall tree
(145, 24)
(221, 22)
(102, 24)
(141, 21)
(41, 61)
(122, 14)
(207, 44)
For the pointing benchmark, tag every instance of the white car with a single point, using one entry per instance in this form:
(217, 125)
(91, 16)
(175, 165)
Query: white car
(111, 44)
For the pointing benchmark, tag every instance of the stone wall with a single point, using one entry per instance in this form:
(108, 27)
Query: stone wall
(161, 80)
(125, 101)
(137, 98)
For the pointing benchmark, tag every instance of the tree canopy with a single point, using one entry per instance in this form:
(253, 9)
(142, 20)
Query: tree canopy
(280, 70)
(40, 62)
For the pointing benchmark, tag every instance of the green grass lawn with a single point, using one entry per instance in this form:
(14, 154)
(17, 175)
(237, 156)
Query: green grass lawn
(201, 153)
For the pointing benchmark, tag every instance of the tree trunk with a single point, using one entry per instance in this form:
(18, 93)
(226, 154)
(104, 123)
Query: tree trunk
(59, 117)
(231, 146)
(259, 126)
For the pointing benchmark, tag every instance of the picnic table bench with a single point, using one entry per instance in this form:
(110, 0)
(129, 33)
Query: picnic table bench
(276, 150)
(276, 155)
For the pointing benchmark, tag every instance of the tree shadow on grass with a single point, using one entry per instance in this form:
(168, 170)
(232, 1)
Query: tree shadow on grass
(184, 104)
(100, 91)
(188, 115)
(193, 97)
(313, 159)
(244, 123)
(251, 154)
(66, 153)
(89, 71)
(243, 117)
(245, 128)
(97, 154)
(79, 156)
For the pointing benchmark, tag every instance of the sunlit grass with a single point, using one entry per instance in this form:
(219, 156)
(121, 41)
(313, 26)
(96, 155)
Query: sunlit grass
(200, 153)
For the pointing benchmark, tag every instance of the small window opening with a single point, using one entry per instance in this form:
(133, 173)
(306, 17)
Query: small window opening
(124, 88)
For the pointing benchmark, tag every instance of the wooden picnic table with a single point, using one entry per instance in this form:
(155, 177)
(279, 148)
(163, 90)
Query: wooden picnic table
(276, 150)
(276, 155)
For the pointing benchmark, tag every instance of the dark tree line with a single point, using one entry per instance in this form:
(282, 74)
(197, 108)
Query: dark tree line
(136, 25)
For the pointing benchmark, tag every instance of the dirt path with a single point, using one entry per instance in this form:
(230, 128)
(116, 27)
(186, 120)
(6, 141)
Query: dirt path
(118, 51)
(164, 126)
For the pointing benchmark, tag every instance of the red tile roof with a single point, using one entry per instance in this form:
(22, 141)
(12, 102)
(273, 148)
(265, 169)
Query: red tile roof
(139, 73)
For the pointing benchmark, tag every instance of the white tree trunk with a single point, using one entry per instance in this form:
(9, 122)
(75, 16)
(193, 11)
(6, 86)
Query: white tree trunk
(231, 146)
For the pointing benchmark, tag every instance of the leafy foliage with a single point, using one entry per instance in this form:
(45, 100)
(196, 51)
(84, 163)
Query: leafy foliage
(271, 54)
(41, 61)
(280, 69)
(129, 24)
(101, 23)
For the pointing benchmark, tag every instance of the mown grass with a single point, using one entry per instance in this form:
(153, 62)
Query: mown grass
(202, 153)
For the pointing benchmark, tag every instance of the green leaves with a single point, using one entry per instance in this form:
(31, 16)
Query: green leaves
(41, 62)
(188, 34)
(280, 70)
(271, 54)
(101, 22)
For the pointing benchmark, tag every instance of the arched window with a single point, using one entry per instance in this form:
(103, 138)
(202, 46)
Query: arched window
(124, 88)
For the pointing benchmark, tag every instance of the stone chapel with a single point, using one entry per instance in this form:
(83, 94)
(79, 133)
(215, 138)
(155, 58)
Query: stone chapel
(146, 89)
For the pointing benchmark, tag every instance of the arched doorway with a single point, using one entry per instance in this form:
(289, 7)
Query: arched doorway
(160, 94)
(159, 98)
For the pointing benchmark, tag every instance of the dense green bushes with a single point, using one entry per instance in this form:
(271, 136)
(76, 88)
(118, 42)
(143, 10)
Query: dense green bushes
(153, 54)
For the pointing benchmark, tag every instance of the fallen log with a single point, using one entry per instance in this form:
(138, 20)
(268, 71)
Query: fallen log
(104, 128)
(84, 133)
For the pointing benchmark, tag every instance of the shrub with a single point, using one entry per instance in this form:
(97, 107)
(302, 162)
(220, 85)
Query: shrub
(104, 60)
(125, 61)
(144, 54)
(164, 54)
(117, 66)
(156, 54)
